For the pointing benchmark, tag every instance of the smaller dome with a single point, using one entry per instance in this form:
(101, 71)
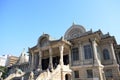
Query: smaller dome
(74, 31)
(44, 40)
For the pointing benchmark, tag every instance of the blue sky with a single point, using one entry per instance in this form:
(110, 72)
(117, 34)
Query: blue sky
(23, 21)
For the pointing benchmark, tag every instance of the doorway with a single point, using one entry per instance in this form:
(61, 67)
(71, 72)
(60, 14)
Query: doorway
(66, 59)
(45, 63)
(67, 77)
(56, 61)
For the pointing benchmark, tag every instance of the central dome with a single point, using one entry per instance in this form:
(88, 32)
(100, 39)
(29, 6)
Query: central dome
(74, 31)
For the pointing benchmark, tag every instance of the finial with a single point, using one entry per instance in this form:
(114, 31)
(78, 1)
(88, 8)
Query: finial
(91, 29)
(108, 33)
(28, 47)
(43, 33)
(23, 49)
(73, 23)
(62, 38)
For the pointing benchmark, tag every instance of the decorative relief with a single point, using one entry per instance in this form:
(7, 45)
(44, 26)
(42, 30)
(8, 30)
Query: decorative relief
(44, 42)
(74, 31)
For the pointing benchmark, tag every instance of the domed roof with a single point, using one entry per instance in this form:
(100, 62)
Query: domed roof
(23, 58)
(44, 39)
(74, 31)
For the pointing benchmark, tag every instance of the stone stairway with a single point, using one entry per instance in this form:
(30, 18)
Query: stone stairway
(47, 75)
(44, 75)
(55, 74)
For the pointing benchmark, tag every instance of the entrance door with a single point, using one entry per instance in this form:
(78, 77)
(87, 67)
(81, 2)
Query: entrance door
(56, 61)
(67, 77)
(45, 63)
(66, 59)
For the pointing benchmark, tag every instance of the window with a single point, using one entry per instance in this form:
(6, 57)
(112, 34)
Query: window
(75, 54)
(106, 55)
(108, 73)
(76, 74)
(89, 73)
(88, 52)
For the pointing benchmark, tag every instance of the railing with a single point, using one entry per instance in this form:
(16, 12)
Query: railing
(115, 78)
(107, 62)
(88, 62)
(85, 62)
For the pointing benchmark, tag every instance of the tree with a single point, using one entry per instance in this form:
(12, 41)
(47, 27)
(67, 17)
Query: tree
(3, 70)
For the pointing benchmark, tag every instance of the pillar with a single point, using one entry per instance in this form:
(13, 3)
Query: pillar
(116, 68)
(81, 53)
(117, 57)
(32, 64)
(61, 47)
(30, 58)
(96, 60)
(34, 60)
(101, 73)
(70, 57)
(40, 60)
(97, 63)
(50, 59)
(113, 54)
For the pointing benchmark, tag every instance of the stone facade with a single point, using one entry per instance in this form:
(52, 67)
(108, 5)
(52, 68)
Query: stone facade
(79, 55)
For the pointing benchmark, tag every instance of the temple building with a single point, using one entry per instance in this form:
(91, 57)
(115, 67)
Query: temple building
(78, 55)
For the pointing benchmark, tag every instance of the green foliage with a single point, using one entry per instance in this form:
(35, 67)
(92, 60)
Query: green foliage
(3, 70)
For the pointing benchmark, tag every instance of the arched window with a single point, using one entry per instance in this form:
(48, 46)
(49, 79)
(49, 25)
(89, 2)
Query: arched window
(75, 54)
(106, 54)
(88, 52)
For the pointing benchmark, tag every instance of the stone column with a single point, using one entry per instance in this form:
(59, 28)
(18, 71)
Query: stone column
(32, 64)
(30, 56)
(40, 60)
(97, 63)
(34, 60)
(113, 54)
(101, 73)
(96, 60)
(81, 53)
(116, 68)
(50, 54)
(117, 57)
(61, 47)
(70, 57)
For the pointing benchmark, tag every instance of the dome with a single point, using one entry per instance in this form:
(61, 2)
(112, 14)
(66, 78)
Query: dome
(44, 40)
(74, 31)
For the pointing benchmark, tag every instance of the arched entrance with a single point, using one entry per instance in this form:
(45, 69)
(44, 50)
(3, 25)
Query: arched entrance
(67, 77)
(45, 63)
(66, 59)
